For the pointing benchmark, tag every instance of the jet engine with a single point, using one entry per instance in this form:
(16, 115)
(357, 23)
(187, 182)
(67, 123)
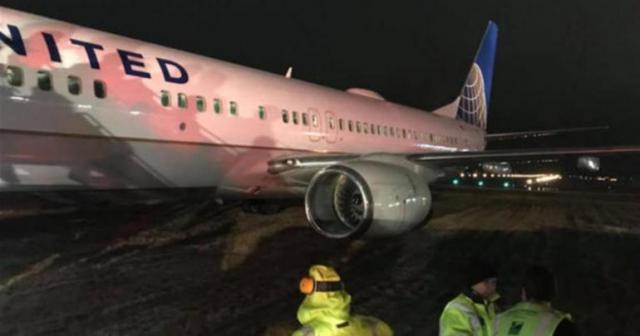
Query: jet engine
(366, 198)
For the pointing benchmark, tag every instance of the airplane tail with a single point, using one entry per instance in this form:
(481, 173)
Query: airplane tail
(473, 103)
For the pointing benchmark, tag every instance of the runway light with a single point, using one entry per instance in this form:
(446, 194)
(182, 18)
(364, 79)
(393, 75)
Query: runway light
(480, 183)
(505, 184)
(455, 181)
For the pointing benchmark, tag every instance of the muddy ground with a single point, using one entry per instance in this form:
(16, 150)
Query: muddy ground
(202, 269)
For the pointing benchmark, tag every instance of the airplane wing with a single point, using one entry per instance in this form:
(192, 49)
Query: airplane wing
(444, 159)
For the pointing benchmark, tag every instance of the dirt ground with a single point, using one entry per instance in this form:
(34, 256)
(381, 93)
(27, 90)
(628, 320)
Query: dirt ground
(200, 269)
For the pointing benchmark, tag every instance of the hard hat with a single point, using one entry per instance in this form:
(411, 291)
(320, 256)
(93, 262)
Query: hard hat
(321, 279)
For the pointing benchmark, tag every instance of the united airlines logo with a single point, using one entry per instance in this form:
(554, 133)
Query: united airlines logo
(472, 107)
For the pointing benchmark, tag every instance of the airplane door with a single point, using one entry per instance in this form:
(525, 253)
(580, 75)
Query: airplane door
(315, 126)
(331, 127)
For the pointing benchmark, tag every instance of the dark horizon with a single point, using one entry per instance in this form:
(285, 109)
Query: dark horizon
(558, 65)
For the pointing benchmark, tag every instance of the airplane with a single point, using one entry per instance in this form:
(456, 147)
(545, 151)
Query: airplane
(84, 110)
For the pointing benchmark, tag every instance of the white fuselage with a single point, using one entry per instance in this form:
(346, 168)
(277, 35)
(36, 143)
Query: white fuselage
(59, 138)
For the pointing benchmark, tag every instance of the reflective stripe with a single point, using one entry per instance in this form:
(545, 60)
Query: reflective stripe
(474, 319)
(496, 325)
(543, 327)
(307, 331)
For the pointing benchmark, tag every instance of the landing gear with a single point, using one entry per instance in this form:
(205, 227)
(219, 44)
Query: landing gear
(262, 207)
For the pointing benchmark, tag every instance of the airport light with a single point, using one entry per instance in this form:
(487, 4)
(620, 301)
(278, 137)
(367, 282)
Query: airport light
(455, 181)
(505, 184)
(481, 183)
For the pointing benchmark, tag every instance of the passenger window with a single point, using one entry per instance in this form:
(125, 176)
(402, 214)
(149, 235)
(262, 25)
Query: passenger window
(99, 89)
(365, 128)
(15, 76)
(182, 100)
(350, 126)
(44, 80)
(74, 85)
(285, 116)
(341, 124)
(391, 131)
(217, 106)
(358, 126)
(379, 129)
(373, 129)
(305, 119)
(262, 114)
(385, 130)
(404, 133)
(314, 120)
(294, 117)
(331, 123)
(200, 104)
(165, 98)
(431, 137)
(233, 108)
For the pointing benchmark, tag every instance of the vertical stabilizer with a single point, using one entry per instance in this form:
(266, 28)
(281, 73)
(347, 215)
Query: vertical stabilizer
(473, 102)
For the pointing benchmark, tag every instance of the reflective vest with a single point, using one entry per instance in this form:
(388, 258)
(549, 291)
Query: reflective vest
(356, 326)
(529, 319)
(462, 316)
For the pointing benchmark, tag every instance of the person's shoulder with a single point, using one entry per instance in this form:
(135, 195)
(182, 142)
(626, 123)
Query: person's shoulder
(566, 328)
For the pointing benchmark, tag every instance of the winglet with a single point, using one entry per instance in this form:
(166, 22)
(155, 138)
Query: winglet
(289, 72)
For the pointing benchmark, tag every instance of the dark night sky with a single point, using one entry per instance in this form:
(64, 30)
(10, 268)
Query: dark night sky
(560, 63)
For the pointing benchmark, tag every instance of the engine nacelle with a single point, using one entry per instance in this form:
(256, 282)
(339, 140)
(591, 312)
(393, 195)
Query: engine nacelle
(366, 197)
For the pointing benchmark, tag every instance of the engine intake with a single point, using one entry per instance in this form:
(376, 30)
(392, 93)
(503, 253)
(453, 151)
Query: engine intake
(368, 197)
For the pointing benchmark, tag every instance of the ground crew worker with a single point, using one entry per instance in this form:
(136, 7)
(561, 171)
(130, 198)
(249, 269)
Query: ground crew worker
(534, 316)
(325, 310)
(472, 311)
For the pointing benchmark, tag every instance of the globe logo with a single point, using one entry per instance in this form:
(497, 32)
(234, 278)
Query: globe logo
(472, 107)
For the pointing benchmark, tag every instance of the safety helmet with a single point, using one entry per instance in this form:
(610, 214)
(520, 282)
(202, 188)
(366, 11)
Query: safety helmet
(321, 279)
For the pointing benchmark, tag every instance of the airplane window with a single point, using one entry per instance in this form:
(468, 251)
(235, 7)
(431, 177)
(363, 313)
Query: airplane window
(285, 116)
(379, 129)
(217, 107)
(15, 76)
(373, 129)
(350, 126)
(415, 135)
(165, 98)
(74, 85)
(233, 108)
(305, 119)
(358, 126)
(99, 89)
(431, 137)
(261, 112)
(331, 123)
(314, 120)
(200, 104)
(385, 131)
(391, 130)
(182, 100)
(44, 80)
(398, 134)
(341, 124)
(404, 133)
(294, 117)
(366, 128)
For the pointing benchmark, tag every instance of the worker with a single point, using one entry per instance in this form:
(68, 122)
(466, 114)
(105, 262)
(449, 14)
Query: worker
(534, 314)
(473, 310)
(325, 311)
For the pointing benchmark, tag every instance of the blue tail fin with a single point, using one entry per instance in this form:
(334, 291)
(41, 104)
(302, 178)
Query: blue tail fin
(474, 98)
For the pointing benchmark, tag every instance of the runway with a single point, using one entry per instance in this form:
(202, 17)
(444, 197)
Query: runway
(197, 268)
